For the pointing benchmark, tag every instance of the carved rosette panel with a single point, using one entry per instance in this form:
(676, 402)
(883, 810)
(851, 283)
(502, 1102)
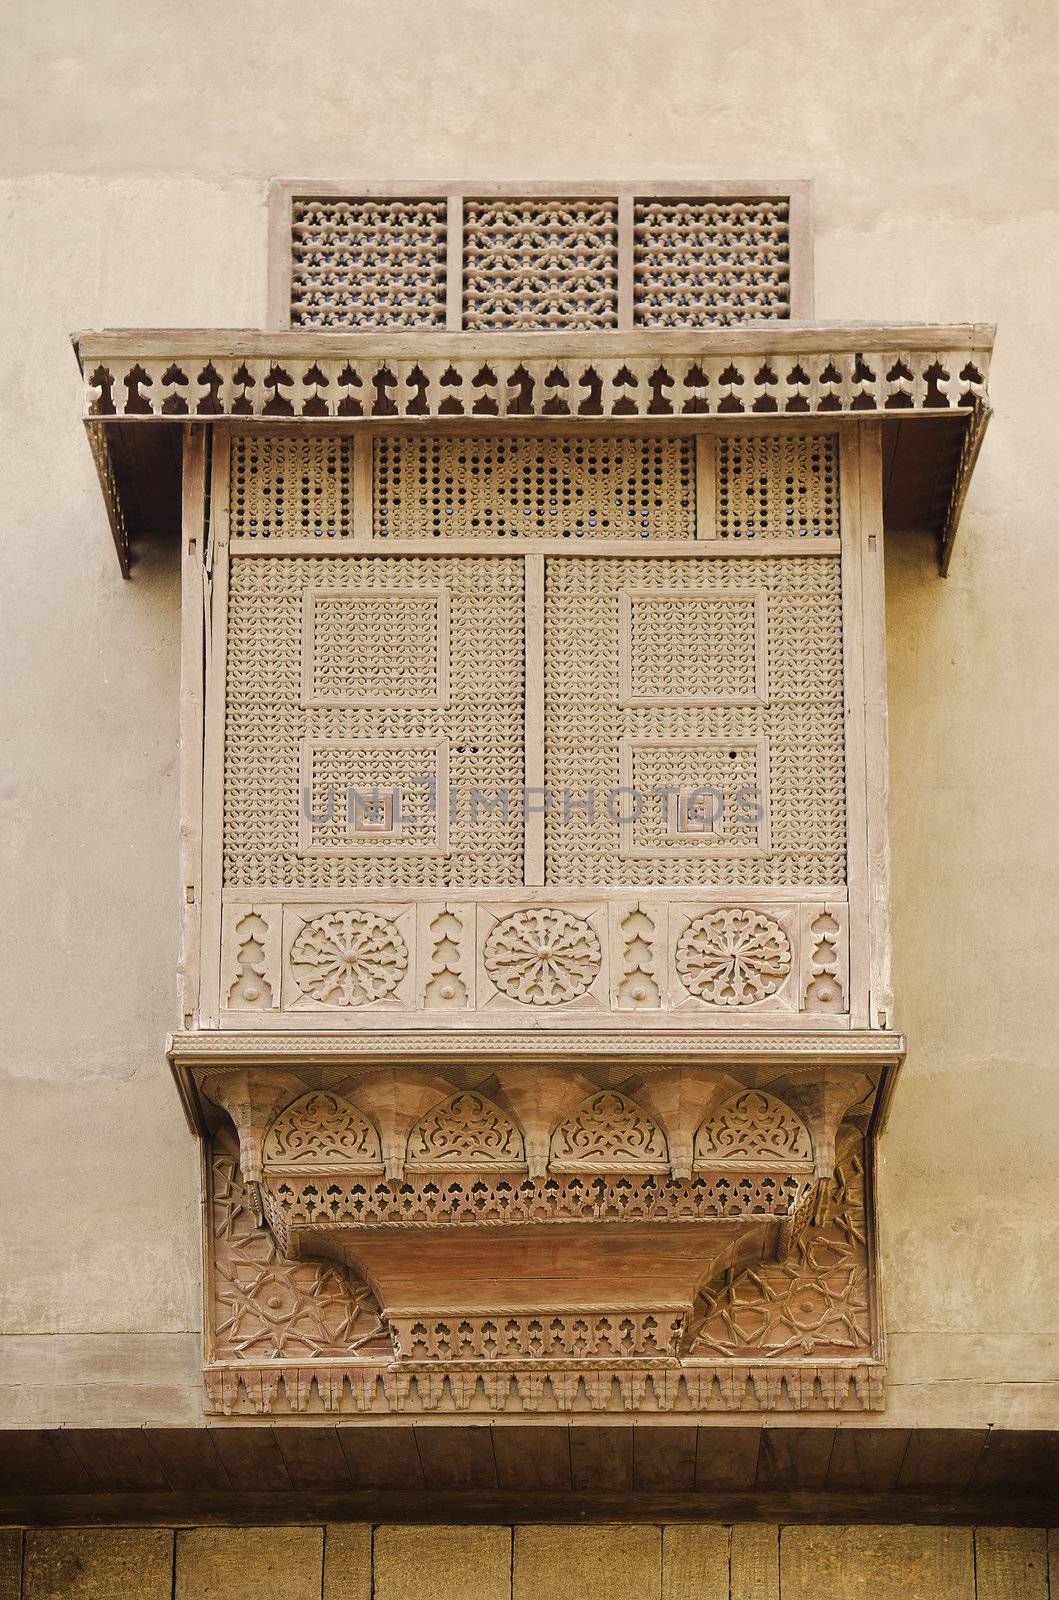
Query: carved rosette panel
(362, 960)
(753, 1126)
(465, 1132)
(733, 957)
(542, 956)
(348, 958)
(265, 1308)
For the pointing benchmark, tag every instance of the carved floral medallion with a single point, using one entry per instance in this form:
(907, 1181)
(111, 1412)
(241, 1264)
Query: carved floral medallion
(543, 956)
(733, 957)
(348, 958)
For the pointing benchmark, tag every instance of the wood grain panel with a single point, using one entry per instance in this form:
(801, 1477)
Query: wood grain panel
(457, 1458)
(251, 1458)
(189, 1459)
(601, 1459)
(531, 1458)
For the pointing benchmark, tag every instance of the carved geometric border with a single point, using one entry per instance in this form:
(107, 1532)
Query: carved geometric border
(701, 1388)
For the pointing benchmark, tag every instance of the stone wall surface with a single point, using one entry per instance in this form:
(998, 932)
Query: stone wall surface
(751, 1561)
(139, 138)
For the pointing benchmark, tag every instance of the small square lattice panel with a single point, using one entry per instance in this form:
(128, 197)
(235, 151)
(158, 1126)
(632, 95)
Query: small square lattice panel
(375, 647)
(725, 780)
(368, 263)
(566, 488)
(285, 486)
(540, 263)
(777, 486)
(695, 649)
(700, 262)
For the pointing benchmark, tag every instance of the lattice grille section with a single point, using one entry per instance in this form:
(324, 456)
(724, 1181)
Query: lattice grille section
(269, 729)
(375, 647)
(540, 264)
(729, 770)
(543, 487)
(283, 486)
(700, 262)
(368, 263)
(777, 486)
(590, 734)
(693, 647)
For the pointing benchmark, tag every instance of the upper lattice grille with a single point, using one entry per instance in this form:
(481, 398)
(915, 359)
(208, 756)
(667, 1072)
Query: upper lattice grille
(291, 485)
(701, 262)
(368, 263)
(570, 488)
(777, 486)
(540, 264)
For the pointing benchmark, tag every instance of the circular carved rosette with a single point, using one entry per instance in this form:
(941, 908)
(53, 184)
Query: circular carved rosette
(542, 956)
(733, 957)
(348, 958)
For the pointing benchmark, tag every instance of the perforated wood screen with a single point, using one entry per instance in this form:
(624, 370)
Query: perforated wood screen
(703, 262)
(367, 263)
(524, 259)
(560, 487)
(291, 485)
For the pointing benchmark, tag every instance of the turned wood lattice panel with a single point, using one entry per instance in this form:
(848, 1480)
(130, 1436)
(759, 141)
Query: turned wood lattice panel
(563, 487)
(291, 486)
(777, 486)
(523, 259)
(708, 693)
(725, 681)
(702, 262)
(368, 263)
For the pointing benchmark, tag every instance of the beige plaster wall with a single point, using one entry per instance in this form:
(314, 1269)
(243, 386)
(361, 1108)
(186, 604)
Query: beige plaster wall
(138, 138)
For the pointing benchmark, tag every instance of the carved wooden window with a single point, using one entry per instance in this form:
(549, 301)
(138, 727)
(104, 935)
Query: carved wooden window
(534, 820)
(523, 258)
(591, 683)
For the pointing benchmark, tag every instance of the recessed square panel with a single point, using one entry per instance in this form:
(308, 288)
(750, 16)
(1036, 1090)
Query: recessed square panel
(375, 647)
(680, 647)
(350, 788)
(683, 797)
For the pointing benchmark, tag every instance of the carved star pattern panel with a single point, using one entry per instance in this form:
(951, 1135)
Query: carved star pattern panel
(266, 1308)
(368, 263)
(704, 261)
(817, 1302)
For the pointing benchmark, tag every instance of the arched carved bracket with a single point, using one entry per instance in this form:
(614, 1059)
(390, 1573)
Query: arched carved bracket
(608, 1259)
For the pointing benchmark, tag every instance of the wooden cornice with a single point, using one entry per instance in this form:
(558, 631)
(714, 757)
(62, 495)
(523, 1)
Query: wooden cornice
(296, 1469)
(928, 385)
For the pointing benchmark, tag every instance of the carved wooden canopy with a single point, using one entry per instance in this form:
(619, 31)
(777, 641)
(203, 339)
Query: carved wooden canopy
(927, 385)
(535, 992)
